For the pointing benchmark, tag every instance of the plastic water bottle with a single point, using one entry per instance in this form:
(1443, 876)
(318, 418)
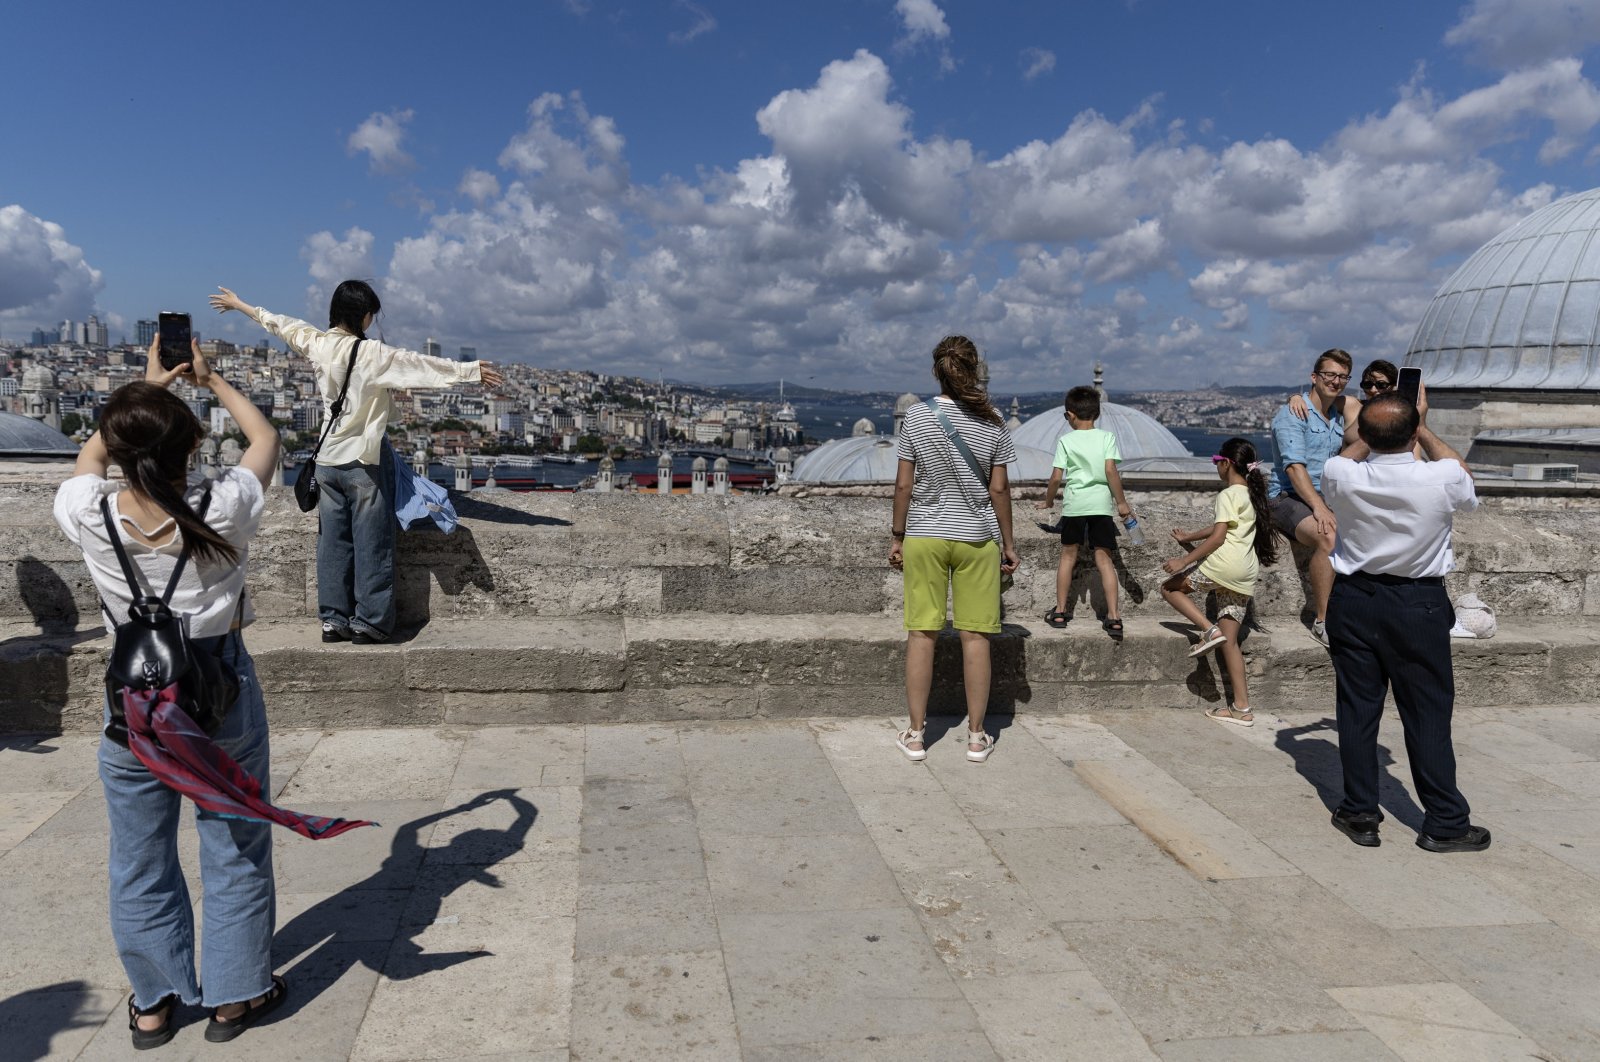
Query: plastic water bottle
(1135, 532)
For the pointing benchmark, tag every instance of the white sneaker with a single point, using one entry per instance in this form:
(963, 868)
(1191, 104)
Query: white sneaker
(1319, 631)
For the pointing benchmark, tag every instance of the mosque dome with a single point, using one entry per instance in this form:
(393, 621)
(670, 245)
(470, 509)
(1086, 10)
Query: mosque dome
(699, 465)
(864, 426)
(783, 456)
(719, 465)
(858, 459)
(905, 402)
(1523, 313)
(38, 378)
(25, 437)
(1144, 443)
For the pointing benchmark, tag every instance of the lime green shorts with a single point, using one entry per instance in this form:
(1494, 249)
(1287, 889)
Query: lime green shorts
(968, 571)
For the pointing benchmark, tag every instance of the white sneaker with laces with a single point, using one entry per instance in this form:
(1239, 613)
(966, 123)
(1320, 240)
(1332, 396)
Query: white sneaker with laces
(1319, 631)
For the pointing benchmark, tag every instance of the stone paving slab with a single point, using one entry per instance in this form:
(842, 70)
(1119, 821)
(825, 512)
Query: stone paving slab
(1133, 885)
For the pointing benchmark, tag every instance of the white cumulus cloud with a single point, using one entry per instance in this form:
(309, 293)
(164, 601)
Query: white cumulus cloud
(479, 185)
(380, 137)
(1512, 33)
(43, 277)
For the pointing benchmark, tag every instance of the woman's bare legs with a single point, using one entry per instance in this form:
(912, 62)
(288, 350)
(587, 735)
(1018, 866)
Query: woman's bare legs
(919, 678)
(975, 676)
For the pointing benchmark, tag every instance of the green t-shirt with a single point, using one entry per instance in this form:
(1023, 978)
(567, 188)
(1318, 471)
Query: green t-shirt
(1233, 564)
(1082, 455)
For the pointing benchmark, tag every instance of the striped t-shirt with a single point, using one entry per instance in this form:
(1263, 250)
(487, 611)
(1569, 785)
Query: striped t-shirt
(947, 500)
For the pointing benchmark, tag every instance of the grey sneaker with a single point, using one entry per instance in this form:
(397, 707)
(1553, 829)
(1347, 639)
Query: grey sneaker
(1319, 631)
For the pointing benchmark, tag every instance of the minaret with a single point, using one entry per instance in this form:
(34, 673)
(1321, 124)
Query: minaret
(664, 473)
(1100, 380)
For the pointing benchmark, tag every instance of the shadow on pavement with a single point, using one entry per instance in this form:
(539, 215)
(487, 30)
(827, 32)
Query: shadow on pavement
(328, 939)
(30, 1020)
(34, 678)
(1317, 760)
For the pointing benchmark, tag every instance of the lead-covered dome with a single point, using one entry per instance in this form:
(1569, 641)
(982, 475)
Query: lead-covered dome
(25, 437)
(858, 459)
(1140, 437)
(1523, 313)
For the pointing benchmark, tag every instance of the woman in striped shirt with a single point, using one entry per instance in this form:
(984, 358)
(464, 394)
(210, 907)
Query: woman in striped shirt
(951, 533)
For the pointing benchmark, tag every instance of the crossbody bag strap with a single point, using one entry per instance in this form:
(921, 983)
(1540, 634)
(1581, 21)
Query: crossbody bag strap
(336, 410)
(959, 443)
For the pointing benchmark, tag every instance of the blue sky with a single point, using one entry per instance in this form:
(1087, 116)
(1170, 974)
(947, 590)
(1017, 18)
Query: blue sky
(725, 192)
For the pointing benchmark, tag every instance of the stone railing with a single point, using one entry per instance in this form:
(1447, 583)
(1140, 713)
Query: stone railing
(1526, 553)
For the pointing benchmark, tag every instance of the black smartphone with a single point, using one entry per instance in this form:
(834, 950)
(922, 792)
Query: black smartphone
(175, 336)
(1410, 383)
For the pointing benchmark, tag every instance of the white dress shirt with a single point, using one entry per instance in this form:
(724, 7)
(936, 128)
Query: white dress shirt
(379, 369)
(1395, 513)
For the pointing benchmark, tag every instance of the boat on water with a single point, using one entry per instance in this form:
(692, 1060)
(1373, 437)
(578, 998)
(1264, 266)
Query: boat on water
(567, 459)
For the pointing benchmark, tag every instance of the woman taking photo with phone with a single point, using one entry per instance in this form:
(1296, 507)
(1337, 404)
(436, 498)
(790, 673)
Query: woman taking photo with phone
(150, 433)
(355, 545)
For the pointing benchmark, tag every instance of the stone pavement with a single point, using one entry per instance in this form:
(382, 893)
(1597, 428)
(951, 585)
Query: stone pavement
(1129, 885)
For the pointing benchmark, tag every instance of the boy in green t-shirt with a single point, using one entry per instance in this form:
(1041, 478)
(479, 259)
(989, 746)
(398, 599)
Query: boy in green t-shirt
(1086, 457)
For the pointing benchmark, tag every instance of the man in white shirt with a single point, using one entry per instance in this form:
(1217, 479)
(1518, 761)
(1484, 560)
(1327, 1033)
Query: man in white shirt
(1389, 617)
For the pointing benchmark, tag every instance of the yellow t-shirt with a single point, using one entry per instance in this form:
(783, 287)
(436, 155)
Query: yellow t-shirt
(1233, 564)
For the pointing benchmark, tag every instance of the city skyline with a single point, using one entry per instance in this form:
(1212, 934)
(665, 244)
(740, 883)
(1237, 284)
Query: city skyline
(728, 195)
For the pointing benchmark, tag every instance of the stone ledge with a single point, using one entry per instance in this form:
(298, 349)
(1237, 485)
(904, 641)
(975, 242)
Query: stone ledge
(725, 666)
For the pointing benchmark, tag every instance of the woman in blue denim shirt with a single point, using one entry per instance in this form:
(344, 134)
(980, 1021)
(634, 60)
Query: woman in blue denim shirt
(150, 433)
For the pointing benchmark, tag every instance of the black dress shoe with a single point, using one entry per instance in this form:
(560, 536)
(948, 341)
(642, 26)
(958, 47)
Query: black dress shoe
(1476, 839)
(363, 638)
(1362, 829)
(336, 634)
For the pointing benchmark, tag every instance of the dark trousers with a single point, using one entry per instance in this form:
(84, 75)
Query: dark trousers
(1396, 634)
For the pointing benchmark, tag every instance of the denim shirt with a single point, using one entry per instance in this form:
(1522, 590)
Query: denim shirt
(1308, 442)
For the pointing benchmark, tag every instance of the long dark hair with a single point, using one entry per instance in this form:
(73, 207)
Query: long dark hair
(352, 301)
(955, 363)
(1241, 454)
(150, 433)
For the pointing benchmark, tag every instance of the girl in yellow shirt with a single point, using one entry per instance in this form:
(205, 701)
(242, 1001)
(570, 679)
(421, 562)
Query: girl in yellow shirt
(1223, 559)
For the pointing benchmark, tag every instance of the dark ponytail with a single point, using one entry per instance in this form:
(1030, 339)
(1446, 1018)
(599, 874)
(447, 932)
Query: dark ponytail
(1241, 454)
(150, 433)
(352, 301)
(955, 363)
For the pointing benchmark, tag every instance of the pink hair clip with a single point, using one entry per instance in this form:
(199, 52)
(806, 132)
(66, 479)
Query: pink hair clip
(1254, 465)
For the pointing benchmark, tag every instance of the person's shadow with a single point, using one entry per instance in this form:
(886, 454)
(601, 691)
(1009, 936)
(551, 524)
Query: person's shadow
(1317, 761)
(329, 938)
(30, 1020)
(36, 667)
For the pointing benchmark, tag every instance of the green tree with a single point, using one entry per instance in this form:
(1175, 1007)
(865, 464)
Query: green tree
(591, 444)
(71, 423)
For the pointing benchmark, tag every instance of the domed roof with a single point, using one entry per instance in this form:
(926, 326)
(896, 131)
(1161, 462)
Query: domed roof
(1139, 436)
(783, 455)
(719, 465)
(859, 459)
(864, 426)
(1524, 311)
(905, 402)
(25, 437)
(699, 464)
(38, 378)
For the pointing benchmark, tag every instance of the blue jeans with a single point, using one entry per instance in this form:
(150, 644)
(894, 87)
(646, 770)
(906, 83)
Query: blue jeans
(152, 920)
(355, 548)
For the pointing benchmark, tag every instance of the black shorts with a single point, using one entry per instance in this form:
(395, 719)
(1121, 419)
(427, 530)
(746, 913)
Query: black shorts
(1100, 532)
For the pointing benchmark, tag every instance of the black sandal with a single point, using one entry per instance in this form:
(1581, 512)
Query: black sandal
(1113, 627)
(145, 1039)
(221, 1030)
(1056, 618)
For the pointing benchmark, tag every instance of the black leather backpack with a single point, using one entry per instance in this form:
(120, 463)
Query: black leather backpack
(152, 651)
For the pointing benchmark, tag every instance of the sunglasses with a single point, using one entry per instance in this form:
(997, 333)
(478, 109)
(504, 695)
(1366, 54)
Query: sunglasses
(1377, 384)
(1218, 459)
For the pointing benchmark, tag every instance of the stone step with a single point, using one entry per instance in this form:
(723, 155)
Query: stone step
(720, 666)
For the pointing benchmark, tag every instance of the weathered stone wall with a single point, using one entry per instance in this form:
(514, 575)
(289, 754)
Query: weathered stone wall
(1526, 553)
